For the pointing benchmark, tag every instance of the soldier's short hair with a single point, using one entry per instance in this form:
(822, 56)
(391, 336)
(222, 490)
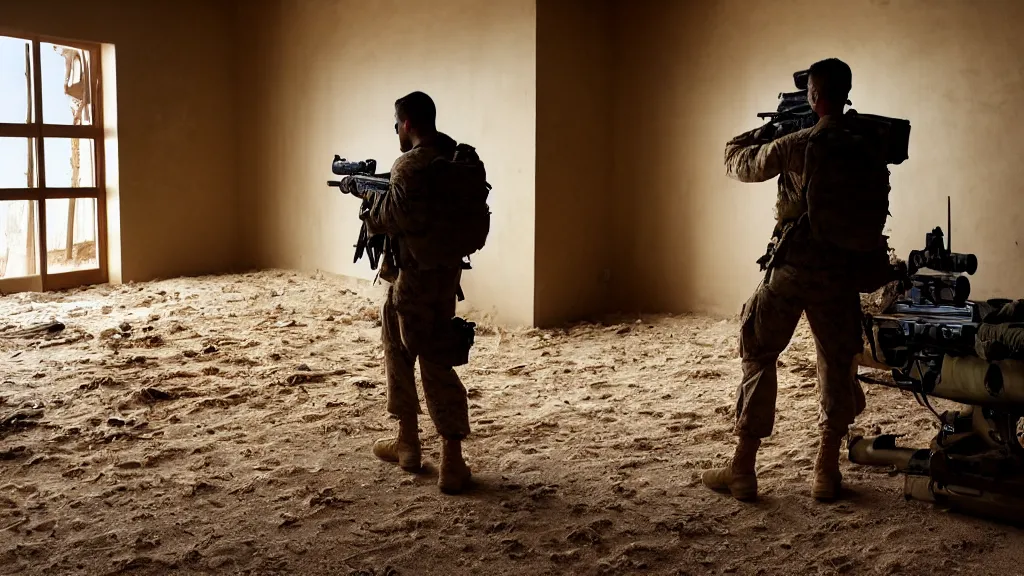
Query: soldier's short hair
(417, 108)
(833, 78)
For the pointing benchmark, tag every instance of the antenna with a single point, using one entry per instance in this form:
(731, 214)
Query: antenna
(949, 225)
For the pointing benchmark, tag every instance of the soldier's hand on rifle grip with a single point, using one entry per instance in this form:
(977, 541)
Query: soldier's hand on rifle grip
(765, 133)
(348, 186)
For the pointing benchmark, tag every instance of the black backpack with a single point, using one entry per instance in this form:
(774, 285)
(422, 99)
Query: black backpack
(846, 179)
(460, 219)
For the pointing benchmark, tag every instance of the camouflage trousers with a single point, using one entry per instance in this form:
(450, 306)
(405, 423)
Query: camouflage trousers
(770, 318)
(413, 328)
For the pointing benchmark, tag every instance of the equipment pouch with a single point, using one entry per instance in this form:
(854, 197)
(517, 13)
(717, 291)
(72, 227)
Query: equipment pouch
(465, 333)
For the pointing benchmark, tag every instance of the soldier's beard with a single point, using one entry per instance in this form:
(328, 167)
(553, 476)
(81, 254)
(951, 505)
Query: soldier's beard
(404, 143)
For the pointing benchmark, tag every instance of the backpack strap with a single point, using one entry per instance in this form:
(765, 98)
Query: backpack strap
(812, 140)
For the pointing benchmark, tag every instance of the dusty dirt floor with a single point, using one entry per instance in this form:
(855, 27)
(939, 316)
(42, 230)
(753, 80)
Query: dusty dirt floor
(223, 426)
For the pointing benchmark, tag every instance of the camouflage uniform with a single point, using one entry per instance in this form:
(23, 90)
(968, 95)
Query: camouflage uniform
(416, 317)
(805, 277)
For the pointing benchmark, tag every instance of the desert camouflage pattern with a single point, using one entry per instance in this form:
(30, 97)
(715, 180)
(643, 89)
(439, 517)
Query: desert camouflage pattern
(747, 161)
(416, 317)
(417, 334)
(808, 280)
(403, 212)
(769, 319)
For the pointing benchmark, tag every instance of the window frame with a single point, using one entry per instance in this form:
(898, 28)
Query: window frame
(38, 131)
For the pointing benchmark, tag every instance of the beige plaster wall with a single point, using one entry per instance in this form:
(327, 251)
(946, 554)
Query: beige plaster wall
(602, 125)
(178, 201)
(689, 75)
(321, 77)
(574, 104)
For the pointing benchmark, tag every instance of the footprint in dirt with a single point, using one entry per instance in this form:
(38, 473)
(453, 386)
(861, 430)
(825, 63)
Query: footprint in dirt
(584, 536)
(234, 553)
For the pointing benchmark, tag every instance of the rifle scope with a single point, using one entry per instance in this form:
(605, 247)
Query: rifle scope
(343, 167)
(950, 262)
(800, 79)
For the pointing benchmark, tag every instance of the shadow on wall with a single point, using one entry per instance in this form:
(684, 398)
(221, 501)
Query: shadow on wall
(573, 258)
(321, 78)
(689, 76)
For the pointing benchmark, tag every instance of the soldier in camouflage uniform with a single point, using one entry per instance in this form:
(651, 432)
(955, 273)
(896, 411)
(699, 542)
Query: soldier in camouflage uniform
(420, 305)
(803, 277)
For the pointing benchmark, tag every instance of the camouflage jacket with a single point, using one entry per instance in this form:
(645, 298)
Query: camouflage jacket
(403, 211)
(749, 159)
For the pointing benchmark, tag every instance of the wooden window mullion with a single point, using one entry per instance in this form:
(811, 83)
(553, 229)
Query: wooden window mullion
(38, 191)
(37, 72)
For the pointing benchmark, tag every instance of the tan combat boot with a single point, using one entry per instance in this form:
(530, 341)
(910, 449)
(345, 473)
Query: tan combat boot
(403, 450)
(455, 474)
(827, 478)
(739, 478)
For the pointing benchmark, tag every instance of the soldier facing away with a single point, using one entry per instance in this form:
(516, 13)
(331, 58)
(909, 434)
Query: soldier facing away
(827, 245)
(417, 317)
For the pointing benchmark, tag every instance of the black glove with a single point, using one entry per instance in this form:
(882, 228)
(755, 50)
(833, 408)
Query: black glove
(765, 133)
(348, 186)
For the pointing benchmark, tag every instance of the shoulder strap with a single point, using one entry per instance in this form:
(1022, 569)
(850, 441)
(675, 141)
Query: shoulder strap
(815, 137)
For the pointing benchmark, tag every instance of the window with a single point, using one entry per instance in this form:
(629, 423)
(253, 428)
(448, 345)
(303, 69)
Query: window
(52, 188)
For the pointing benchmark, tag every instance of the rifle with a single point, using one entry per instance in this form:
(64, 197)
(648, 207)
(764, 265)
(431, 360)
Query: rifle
(361, 181)
(929, 338)
(794, 113)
